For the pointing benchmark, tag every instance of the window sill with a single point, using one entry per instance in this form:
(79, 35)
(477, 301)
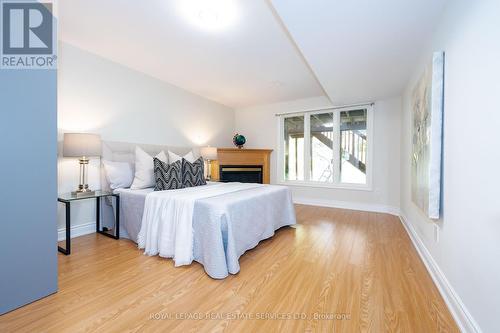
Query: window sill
(354, 187)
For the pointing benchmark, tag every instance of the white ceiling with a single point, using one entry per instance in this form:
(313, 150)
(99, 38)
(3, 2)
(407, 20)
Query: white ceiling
(360, 50)
(251, 62)
(274, 50)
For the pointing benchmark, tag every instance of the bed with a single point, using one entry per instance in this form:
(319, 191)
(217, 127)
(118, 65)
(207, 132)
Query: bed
(227, 219)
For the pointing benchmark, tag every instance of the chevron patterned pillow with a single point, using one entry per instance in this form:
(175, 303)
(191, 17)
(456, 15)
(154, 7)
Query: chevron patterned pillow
(193, 174)
(167, 176)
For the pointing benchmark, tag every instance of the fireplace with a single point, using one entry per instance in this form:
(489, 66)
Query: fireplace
(248, 165)
(241, 173)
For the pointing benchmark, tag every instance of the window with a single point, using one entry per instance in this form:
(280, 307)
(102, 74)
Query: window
(353, 146)
(294, 148)
(321, 137)
(326, 148)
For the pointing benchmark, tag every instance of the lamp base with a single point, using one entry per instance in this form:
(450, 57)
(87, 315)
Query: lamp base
(83, 191)
(209, 170)
(77, 194)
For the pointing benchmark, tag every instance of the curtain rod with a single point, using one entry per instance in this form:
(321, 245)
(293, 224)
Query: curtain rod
(327, 108)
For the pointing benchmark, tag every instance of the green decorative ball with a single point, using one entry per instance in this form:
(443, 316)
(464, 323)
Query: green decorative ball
(239, 140)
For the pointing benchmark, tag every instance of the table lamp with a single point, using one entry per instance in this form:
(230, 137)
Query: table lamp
(209, 154)
(83, 146)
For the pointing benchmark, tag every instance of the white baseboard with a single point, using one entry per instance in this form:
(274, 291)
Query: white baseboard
(462, 316)
(348, 205)
(77, 230)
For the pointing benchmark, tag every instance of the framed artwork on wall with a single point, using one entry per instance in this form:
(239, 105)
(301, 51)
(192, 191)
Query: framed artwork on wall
(427, 104)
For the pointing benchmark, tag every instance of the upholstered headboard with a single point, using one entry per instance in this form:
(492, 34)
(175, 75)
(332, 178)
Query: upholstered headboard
(125, 152)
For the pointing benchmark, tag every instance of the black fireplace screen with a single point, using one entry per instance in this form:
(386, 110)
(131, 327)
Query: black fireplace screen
(241, 173)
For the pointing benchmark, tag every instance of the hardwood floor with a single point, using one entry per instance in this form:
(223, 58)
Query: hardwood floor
(337, 271)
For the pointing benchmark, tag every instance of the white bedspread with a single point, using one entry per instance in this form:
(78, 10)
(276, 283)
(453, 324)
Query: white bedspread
(167, 221)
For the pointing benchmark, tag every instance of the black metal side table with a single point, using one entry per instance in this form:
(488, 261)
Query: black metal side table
(68, 198)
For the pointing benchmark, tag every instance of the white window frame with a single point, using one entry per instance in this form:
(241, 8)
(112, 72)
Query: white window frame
(307, 147)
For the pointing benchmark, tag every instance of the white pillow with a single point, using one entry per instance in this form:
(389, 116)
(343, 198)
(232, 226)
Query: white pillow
(173, 157)
(144, 174)
(118, 174)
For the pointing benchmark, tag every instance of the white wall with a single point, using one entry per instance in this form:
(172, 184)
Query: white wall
(99, 96)
(260, 127)
(469, 242)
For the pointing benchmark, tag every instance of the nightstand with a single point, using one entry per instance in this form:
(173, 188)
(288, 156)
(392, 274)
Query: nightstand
(68, 198)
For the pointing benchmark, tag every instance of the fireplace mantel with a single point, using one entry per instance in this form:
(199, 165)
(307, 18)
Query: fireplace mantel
(244, 156)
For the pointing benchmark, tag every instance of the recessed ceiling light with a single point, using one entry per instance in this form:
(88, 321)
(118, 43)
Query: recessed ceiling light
(209, 15)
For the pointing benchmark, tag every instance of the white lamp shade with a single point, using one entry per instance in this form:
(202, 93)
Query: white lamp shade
(81, 144)
(209, 153)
